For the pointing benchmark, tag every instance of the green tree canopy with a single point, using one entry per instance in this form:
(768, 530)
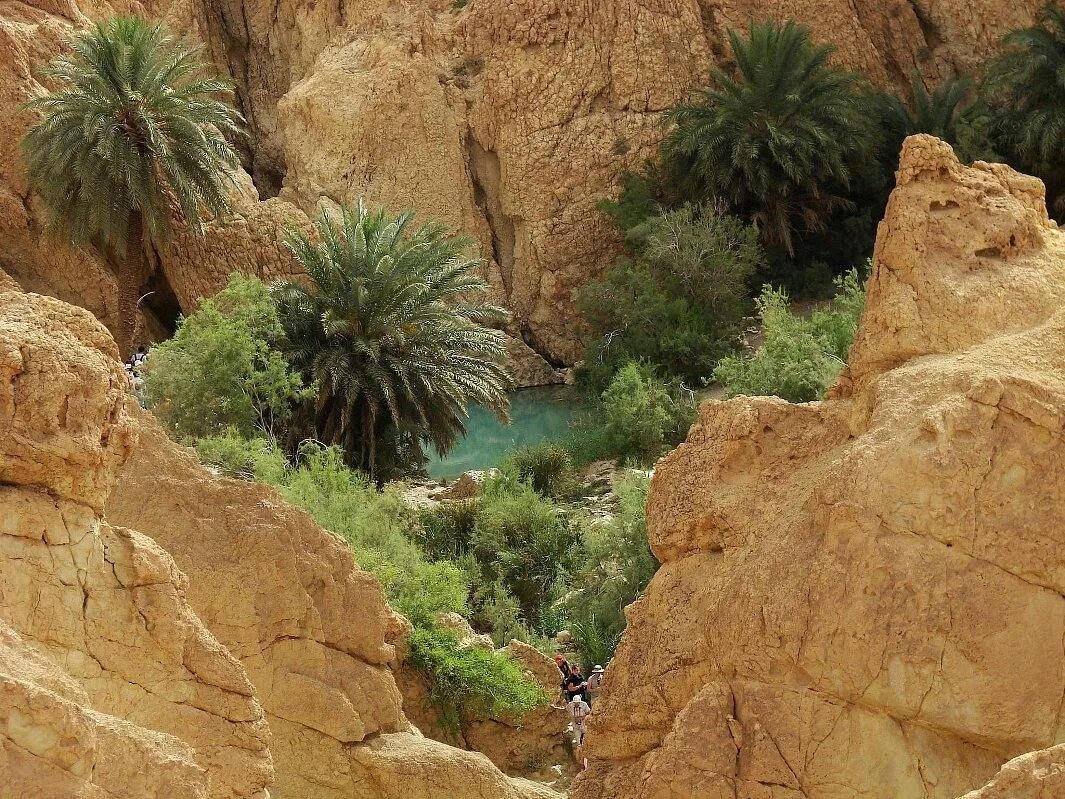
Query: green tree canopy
(779, 139)
(389, 332)
(1025, 87)
(129, 144)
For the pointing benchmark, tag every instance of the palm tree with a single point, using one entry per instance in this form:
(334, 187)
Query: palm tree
(939, 112)
(130, 144)
(388, 332)
(1026, 87)
(779, 139)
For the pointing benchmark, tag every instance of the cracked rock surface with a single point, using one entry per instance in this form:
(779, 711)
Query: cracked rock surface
(863, 596)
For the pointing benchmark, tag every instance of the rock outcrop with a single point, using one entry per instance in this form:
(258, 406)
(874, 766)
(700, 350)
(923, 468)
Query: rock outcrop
(109, 683)
(262, 665)
(1036, 775)
(863, 596)
(508, 120)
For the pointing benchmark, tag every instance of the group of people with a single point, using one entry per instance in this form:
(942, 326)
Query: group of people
(579, 693)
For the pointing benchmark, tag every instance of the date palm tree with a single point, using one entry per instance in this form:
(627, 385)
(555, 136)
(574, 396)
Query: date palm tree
(390, 333)
(778, 139)
(130, 144)
(1025, 87)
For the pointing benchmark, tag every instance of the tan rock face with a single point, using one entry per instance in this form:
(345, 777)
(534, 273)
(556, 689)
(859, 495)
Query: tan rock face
(109, 683)
(312, 630)
(863, 596)
(1036, 775)
(507, 120)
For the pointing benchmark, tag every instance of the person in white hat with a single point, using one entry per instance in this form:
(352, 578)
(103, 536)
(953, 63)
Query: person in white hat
(595, 683)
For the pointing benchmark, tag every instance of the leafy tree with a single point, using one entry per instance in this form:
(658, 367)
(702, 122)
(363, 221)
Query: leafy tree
(223, 369)
(780, 139)
(642, 415)
(130, 145)
(679, 303)
(1026, 91)
(387, 334)
(800, 357)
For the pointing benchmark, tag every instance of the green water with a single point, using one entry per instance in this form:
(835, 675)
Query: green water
(536, 414)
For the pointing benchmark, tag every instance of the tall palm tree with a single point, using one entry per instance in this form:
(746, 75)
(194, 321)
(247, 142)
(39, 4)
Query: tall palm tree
(1025, 85)
(130, 144)
(778, 140)
(388, 331)
(939, 112)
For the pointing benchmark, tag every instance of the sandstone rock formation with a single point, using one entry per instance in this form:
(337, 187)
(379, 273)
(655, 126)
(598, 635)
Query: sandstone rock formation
(109, 683)
(509, 120)
(863, 596)
(312, 630)
(1037, 775)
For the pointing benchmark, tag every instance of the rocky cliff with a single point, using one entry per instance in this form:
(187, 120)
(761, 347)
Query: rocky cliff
(197, 637)
(863, 596)
(509, 119)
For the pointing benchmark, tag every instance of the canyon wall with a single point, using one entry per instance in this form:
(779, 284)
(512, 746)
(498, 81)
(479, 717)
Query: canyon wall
(863, 596)
(508, 119)
(184, 636)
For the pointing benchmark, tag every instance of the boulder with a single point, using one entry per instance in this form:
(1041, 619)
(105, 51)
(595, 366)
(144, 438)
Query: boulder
(863, 596)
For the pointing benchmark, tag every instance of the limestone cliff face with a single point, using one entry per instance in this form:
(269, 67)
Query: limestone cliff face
(863, 596)
(509, 119)
(109, 683)
(262, 665)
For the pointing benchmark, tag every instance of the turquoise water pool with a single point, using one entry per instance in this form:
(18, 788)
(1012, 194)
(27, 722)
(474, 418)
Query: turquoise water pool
(536, 414)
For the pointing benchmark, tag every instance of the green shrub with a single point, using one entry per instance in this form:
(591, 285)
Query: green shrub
(469, 682)
(617, 565)
(800, 357)
(222, 370)
(546, 466)
(679, 303)
(447, 529)
(642, 414)
(248, 459)
(523, 542)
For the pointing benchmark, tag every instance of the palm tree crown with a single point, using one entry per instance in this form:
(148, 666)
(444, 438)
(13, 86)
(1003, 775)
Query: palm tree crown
(1028, 83)
(777, 140)
(132, 139)
(387, 332)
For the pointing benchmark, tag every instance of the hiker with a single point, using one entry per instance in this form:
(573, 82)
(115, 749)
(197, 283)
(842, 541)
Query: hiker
(563, 666)
(575, 683)
(595, 683)
(578, 712)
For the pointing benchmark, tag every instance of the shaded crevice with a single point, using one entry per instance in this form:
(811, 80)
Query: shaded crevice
(486, 175)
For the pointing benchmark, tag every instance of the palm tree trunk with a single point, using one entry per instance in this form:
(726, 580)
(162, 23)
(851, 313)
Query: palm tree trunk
(133, 271)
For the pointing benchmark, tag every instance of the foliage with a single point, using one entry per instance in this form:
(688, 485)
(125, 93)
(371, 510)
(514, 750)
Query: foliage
(949, 112)
(617, 566)
(222, 369)
(800, 356)
(447, 529)
(387, 335)
(679, 304)
(469, 681)
(247, 459)
(1026, 93)
(642, 414)
(781, 139)
(546, 466)
(521, 541)
(133, 137)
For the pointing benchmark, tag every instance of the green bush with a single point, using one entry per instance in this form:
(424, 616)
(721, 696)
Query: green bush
(469, 682)
(447, 530)
(642, 414)
(524, 543)
(679, 303)
(248, 459)
(223, 370)
(617, 566)
(800, 356)
(546, 466)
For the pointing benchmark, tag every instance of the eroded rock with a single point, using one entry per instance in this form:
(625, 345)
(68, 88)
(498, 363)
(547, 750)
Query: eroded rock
(864, 595)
